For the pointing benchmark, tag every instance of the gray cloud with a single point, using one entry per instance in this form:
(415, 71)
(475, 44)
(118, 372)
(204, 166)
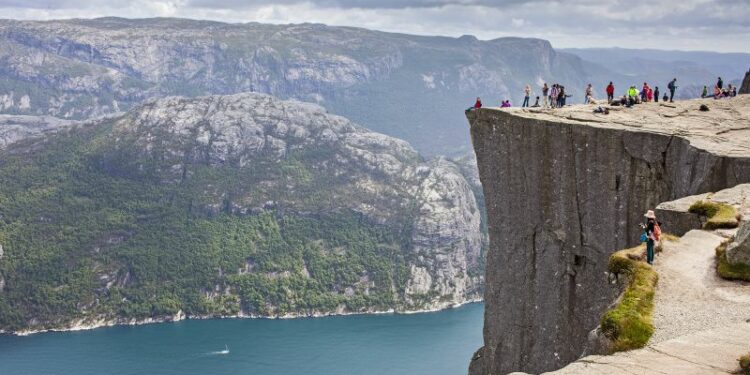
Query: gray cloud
(673, 24)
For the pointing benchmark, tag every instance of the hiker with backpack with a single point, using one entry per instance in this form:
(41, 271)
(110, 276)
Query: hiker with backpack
(672, 85)
(651, 234)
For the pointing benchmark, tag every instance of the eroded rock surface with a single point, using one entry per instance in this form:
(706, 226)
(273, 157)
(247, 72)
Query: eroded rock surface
(566, 188)
(677, 219)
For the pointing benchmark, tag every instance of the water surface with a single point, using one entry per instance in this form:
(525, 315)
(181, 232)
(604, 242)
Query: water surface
(429, 343)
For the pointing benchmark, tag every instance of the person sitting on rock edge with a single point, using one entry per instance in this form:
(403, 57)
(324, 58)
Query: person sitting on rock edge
(478, 103)
(536, 104)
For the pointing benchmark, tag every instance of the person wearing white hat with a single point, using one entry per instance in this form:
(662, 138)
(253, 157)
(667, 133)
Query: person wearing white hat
(652, 235)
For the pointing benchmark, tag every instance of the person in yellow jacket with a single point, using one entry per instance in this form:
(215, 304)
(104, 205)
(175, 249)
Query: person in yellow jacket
(632, 95)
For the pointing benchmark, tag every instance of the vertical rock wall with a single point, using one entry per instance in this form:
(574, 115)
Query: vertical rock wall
(560, 199)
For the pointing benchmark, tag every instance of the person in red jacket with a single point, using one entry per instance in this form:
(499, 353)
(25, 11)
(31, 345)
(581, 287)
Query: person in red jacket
(610, 92)
(478, 104)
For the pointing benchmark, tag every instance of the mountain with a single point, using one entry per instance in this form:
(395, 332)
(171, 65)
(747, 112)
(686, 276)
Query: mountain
(411, 87)
(227, 205)
(693, 69)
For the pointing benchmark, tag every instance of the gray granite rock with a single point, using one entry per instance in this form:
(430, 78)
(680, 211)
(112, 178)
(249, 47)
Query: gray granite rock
(738, 252)
(566, 188)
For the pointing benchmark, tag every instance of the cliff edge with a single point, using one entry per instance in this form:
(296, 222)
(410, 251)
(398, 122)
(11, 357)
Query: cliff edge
(566, 188)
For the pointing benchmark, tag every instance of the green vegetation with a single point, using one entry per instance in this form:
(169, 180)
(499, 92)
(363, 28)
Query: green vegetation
(93, 227)
(629, 325)
(727, 270)
(745, 364)
(719, 215)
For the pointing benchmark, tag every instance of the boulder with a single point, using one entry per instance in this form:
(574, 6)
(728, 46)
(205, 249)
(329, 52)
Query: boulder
(739, 250)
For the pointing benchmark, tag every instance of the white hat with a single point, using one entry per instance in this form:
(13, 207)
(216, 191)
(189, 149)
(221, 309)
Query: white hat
(650, 214)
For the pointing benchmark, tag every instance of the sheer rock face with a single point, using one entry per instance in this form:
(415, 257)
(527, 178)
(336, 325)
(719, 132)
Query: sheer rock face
(564, 189)
(381, 177)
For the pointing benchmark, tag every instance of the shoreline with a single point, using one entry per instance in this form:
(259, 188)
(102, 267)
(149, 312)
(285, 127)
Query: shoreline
(84, 325)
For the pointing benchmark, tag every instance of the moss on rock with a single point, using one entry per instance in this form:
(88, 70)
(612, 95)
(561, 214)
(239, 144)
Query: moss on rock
(629, 325)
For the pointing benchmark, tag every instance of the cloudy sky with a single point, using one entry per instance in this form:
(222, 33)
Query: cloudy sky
(714, 25)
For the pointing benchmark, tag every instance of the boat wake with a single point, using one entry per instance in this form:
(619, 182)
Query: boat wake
(220, 352)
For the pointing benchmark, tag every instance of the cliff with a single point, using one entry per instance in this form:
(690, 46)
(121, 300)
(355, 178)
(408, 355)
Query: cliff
(76, 69)
(226, 206)
(566, 188)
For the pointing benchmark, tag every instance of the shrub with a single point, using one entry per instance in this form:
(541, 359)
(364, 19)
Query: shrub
(629, 325)
(719, 215)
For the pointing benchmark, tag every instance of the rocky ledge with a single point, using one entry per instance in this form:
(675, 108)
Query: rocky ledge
(566, 188)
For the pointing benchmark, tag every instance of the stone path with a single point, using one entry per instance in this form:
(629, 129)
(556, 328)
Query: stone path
(702, 321)
(690, 296)
(704, 353)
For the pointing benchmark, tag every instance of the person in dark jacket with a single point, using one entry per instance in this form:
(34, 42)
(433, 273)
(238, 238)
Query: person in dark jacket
(656, 94)
(672, 86)
(720, 83)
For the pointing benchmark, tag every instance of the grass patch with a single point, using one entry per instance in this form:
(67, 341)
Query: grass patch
(727, 270)
(719, 215)
(629, 325)
(669, 237)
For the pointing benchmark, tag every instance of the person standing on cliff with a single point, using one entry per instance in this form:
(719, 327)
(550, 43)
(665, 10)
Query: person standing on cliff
(589, 94)
(610, 93)
(672, 86)
(652, 235)
(478, 103)
(527, 92)
(720, 83)
(656, 94)
(545, 93)
(553, 96)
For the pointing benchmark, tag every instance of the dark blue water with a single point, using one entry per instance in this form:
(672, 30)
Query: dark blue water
(430, 343)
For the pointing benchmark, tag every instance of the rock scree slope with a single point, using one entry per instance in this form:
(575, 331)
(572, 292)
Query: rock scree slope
(564, 189)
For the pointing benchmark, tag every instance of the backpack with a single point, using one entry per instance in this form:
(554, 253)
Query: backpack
(657, 232)
(644, 237)
(670, 85)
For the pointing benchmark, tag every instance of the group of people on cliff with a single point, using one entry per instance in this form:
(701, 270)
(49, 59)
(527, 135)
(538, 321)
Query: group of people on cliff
(555, 96)
(720, 91)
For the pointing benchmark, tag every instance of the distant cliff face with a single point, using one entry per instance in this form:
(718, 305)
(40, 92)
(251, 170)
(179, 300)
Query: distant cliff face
(564, 190)
(227, 205)
(402, 85)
